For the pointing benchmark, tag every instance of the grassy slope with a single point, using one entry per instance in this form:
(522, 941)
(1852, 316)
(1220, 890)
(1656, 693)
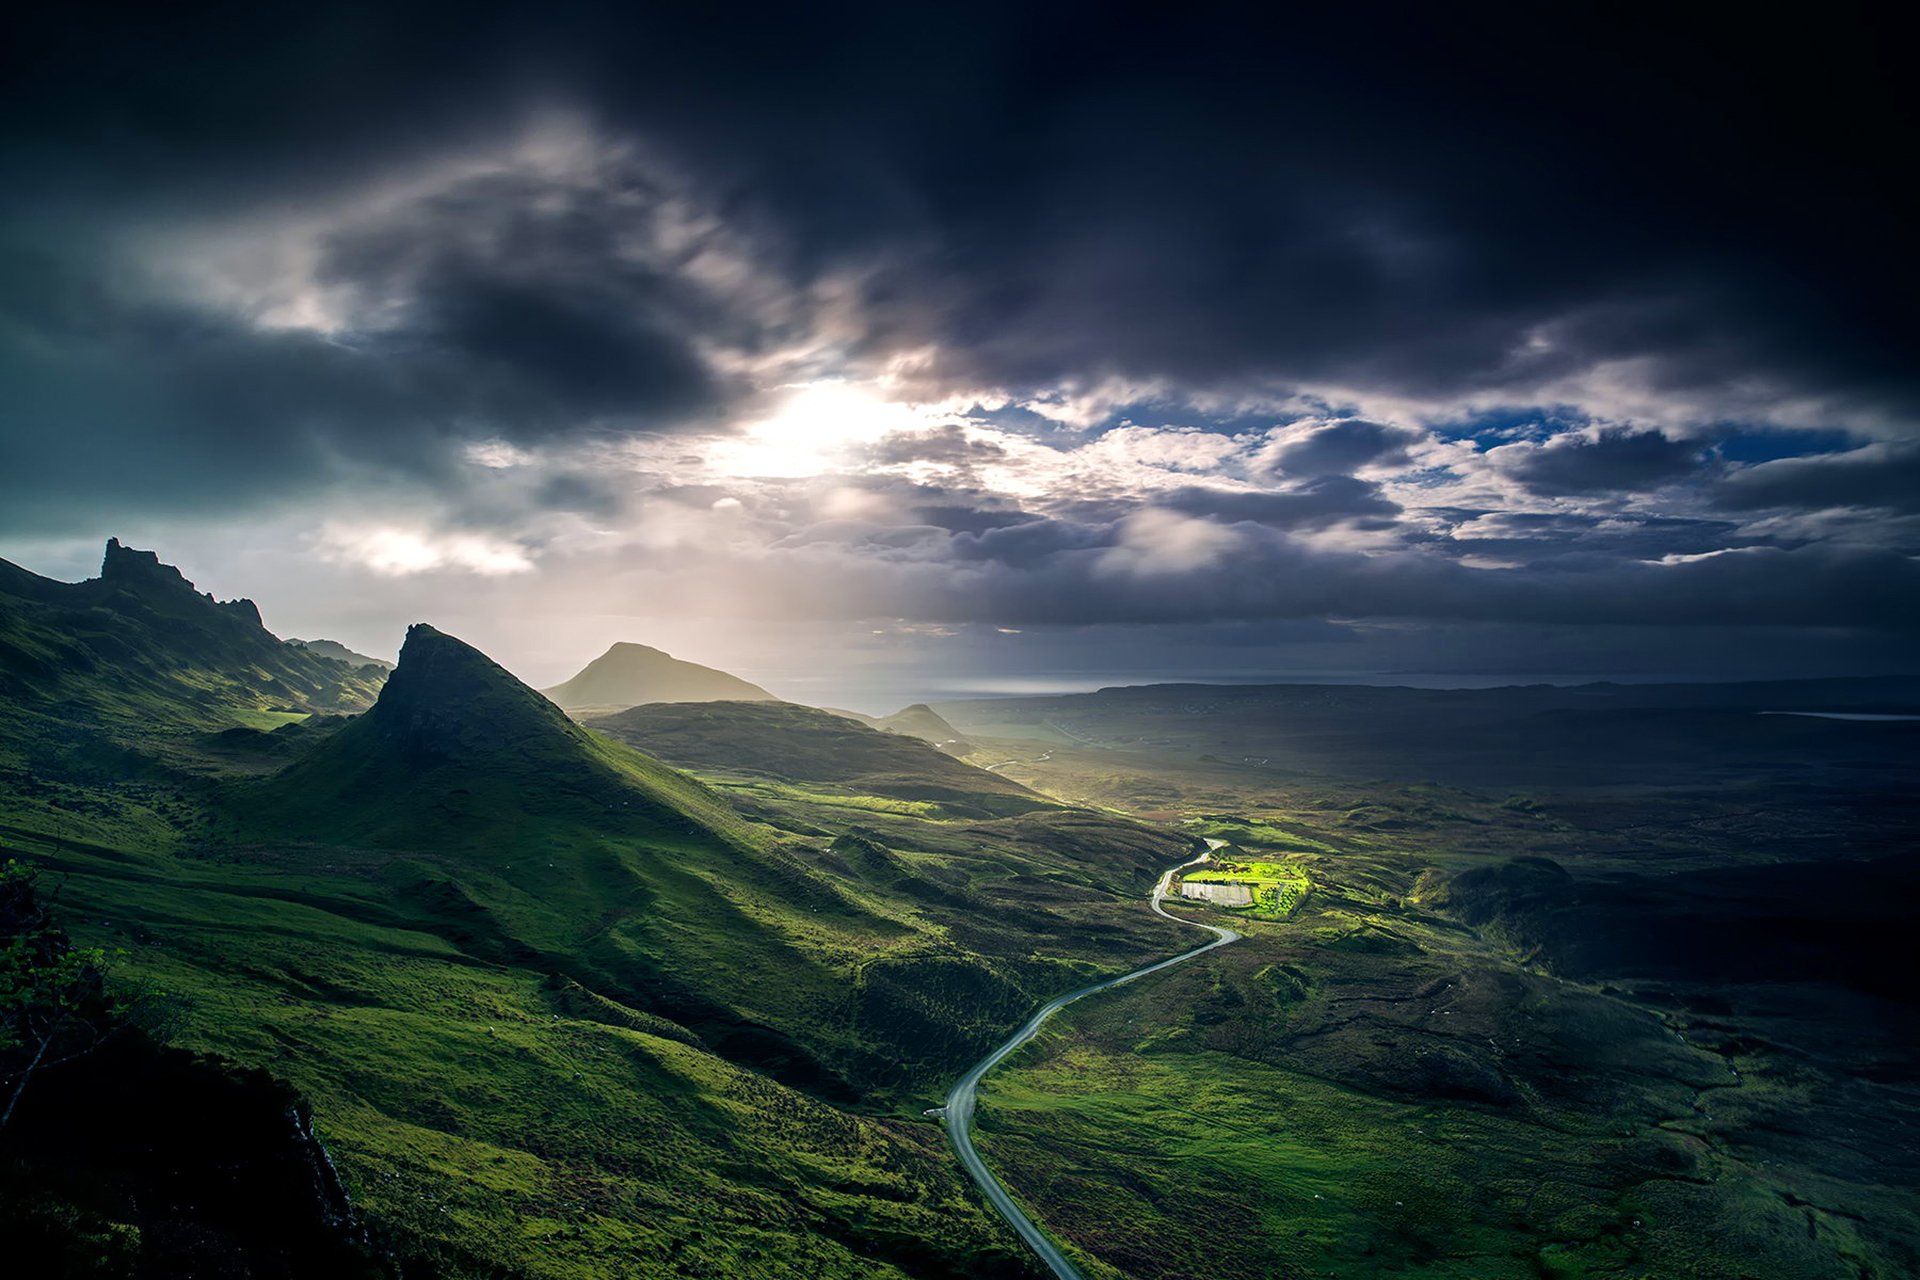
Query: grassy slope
(920, 721)
(803, 745)
(499, 1120)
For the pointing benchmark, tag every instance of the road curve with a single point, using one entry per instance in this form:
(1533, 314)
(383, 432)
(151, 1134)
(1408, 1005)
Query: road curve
(958, 1111)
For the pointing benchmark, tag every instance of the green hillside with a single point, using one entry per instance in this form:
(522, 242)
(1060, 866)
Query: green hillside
(139, 651)
(460, 756)
(564, 1011)
(630, 674)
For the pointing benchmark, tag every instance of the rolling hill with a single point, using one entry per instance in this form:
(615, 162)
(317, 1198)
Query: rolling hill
(530, 839)
(628, 675)
(923, 722)
(802, 744)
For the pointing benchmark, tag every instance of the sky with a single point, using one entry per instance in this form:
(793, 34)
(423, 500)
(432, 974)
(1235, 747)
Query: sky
(885, 351)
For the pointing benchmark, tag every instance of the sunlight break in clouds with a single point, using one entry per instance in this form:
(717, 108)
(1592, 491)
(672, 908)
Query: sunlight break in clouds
(400, 552)
(814, 430)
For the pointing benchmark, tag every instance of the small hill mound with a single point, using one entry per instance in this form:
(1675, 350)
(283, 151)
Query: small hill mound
(140, 650)
(457, 753)
(807, 745)
(923, 722)
(630, 674)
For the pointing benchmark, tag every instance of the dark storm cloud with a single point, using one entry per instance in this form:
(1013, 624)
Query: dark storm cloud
(1316, 504)
(1343, 447)
(1432, 202)
(535, 286)
(1877, 476)
(1049, 574)
(1536, 536)
(502, 308)
(1030, 545)
(133, 401)
(165, 408)
(1603, 461)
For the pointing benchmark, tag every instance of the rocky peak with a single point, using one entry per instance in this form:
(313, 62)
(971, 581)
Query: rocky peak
(126, 566)
(448, 700)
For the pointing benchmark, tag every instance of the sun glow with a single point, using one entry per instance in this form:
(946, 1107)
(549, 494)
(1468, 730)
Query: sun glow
(817, 428)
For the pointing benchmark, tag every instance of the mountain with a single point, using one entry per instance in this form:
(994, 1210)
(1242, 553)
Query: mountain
(340, 653)
(803, 744)
(138, 648)
(458, 754)
(628, 675)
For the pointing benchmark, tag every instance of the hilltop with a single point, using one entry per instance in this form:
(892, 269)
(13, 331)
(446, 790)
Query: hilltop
(530, 838)
(628, 675)
(923, 722)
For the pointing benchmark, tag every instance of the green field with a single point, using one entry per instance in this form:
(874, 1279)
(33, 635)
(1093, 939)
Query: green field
(1278, 888)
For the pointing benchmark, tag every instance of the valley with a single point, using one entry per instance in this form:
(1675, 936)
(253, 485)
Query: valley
(958, 1111)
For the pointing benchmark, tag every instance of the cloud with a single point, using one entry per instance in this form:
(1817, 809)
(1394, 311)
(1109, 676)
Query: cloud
(948, 445)
(1598, 460)
(1158, 544)
(500, 299)
(995, 316)
(1882, 476)
(1340, 447)
(1325, 500)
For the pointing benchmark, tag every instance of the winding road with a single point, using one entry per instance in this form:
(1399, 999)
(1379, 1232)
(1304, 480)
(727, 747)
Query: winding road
(958, 1111)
